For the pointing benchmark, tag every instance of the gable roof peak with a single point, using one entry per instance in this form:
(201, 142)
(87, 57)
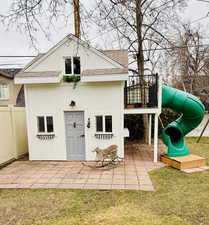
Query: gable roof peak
(119, 58)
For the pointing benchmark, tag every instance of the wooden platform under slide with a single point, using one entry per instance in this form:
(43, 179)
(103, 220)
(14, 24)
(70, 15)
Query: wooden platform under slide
(184, 162)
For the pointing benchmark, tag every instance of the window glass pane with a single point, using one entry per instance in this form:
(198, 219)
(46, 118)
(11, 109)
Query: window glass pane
(41, 126)
(49, 123)
(108, 123)
(76, 65)
(99, 124)
(1, 91)
(68, 69)
(4, 91)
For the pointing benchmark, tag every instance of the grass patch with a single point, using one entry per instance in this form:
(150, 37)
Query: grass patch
(179, 199)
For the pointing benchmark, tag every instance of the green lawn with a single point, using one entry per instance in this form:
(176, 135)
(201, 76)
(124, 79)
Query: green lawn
(179, 199)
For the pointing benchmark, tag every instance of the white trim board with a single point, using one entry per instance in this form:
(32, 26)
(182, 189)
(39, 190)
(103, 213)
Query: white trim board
(143, 111)
(37, 80)
(102, 78)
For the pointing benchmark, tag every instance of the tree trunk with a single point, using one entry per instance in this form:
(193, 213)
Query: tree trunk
(76, 10)
(140, 64)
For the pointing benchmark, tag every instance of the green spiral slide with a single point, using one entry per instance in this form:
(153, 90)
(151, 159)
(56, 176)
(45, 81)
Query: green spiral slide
(192, 111)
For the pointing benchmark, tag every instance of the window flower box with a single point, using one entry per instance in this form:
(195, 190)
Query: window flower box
(71, 79)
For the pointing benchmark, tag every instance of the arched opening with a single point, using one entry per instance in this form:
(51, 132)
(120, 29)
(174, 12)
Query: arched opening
(176, 136)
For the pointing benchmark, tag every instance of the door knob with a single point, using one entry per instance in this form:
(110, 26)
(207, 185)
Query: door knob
(83, 135)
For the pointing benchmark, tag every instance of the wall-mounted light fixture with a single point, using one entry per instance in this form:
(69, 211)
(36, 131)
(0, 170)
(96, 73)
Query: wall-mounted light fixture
(72, 104)
(88, 123)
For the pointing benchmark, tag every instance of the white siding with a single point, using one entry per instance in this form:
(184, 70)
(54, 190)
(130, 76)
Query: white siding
(104, 98)
(55, 61)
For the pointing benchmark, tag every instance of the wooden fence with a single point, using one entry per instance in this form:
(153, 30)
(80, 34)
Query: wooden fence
(13, 133)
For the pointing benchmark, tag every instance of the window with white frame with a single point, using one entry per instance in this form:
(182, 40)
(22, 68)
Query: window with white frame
(104, 123)
(99, 123)
(45, 124)
(108, 123)
(72, 66)
(4, 91)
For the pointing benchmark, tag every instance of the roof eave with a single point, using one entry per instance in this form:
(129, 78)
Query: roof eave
(6, 76)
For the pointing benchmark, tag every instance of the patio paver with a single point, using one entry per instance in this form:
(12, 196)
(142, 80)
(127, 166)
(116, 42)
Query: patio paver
(132, 174)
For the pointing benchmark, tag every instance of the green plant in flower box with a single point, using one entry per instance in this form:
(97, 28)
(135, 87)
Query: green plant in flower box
(72, 79)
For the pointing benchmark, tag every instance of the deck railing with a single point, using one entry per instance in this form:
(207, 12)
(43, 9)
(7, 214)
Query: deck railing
(141, 91)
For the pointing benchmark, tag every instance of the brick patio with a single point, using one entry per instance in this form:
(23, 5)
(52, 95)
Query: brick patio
(132, 174)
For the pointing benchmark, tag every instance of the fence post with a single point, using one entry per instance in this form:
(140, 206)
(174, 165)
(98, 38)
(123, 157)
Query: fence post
(14, 135)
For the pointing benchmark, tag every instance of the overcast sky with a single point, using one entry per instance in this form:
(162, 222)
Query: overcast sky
(15, 43)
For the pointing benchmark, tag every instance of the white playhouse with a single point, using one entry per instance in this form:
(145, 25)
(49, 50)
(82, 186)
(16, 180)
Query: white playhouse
(76, 99)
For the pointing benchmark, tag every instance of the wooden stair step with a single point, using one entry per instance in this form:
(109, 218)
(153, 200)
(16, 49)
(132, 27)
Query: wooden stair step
(184, 162)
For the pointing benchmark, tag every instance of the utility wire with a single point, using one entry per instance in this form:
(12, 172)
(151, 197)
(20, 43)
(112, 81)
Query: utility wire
(8, 64)
(151, 49)
(145, 50)
(16, 56)
(174, 47)
(201, 18)
(203, 1)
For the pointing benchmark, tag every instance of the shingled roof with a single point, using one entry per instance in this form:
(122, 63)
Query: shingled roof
(9, 73)
(120, 56)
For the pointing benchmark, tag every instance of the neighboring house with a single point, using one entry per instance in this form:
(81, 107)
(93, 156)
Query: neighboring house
(10, 93)
(76, 101)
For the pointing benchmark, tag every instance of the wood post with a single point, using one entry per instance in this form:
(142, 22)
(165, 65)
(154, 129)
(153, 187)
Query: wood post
(150, 129)
(14, 135)
(156, 138)
(203, 131)
(77, 20)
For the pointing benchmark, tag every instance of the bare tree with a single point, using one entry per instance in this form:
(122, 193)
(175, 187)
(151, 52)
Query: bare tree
(31, 16)
(142, 26)
(188, 61)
